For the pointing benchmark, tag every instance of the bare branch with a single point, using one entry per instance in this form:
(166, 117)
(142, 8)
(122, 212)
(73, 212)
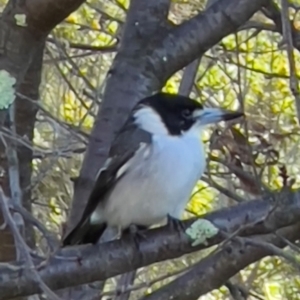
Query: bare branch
(42, 17)
(30, 268)
(184, 43)
(106, 260)
(146, 284)
(12, 158)
(274, 250)
(213, 271)
(188, 77)
(52, 241)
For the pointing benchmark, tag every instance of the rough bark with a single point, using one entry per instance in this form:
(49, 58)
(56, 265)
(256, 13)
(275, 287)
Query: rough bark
(92, 263)
(25, 120)
(21, 56)
(214, 270)
(18, 50)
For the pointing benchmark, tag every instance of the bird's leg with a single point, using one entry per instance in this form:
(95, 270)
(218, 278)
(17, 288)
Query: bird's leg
(175, 223)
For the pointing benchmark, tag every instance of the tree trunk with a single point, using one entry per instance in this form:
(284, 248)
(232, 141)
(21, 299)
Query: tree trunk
(21, 56)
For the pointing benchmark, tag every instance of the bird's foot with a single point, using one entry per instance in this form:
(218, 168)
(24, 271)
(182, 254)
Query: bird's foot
(175, 224)
(136, 232)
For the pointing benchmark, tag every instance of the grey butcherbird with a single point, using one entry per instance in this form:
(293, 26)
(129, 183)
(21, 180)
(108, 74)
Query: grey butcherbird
(153, 165)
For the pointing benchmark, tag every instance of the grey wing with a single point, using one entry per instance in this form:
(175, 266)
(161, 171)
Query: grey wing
(127, 143)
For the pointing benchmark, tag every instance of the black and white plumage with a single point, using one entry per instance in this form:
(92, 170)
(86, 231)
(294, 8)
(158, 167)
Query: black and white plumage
(153, 165)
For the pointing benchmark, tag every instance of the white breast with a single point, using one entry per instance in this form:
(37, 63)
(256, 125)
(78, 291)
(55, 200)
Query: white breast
(159, 182)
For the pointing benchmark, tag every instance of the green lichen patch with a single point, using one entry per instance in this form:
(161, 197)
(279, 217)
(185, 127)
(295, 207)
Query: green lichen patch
(21, 20)
(200, 231)
(7, 90)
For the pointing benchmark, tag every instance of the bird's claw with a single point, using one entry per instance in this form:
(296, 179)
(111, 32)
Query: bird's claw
(136, 233)
(175, 224)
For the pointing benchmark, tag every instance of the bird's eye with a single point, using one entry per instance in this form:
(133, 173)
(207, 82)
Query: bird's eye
(186, 113)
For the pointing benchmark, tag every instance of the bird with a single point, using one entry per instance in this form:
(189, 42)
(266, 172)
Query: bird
(153, 165)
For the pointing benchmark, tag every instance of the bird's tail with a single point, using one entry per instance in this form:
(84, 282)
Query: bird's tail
(84, 233)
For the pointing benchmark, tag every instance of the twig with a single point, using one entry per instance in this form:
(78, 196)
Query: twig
(222, 190)
(188, 77)
(12, 159)
(273, 249)
(237, 292)
(52, 242)
(81, 136)
(10, 266)
(103, 49)
(256, 178)
(130, 288)
(293, 246)
(13, 172)
(19, 240)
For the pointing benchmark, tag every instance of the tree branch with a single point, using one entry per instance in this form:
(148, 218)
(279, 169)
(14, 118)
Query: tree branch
(42, 17)
(92, 263)
(187, 41)
(31, 271)
(214, 270)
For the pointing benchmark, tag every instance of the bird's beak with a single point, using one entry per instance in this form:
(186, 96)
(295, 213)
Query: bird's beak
(214, 115)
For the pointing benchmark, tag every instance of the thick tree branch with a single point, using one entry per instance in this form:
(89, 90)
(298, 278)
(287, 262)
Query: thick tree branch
(213, 271)
(43, 16)
(30, 35)
(92, 263)
(22, 44)
(22, 246)
(187, 41)
(24, 26)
